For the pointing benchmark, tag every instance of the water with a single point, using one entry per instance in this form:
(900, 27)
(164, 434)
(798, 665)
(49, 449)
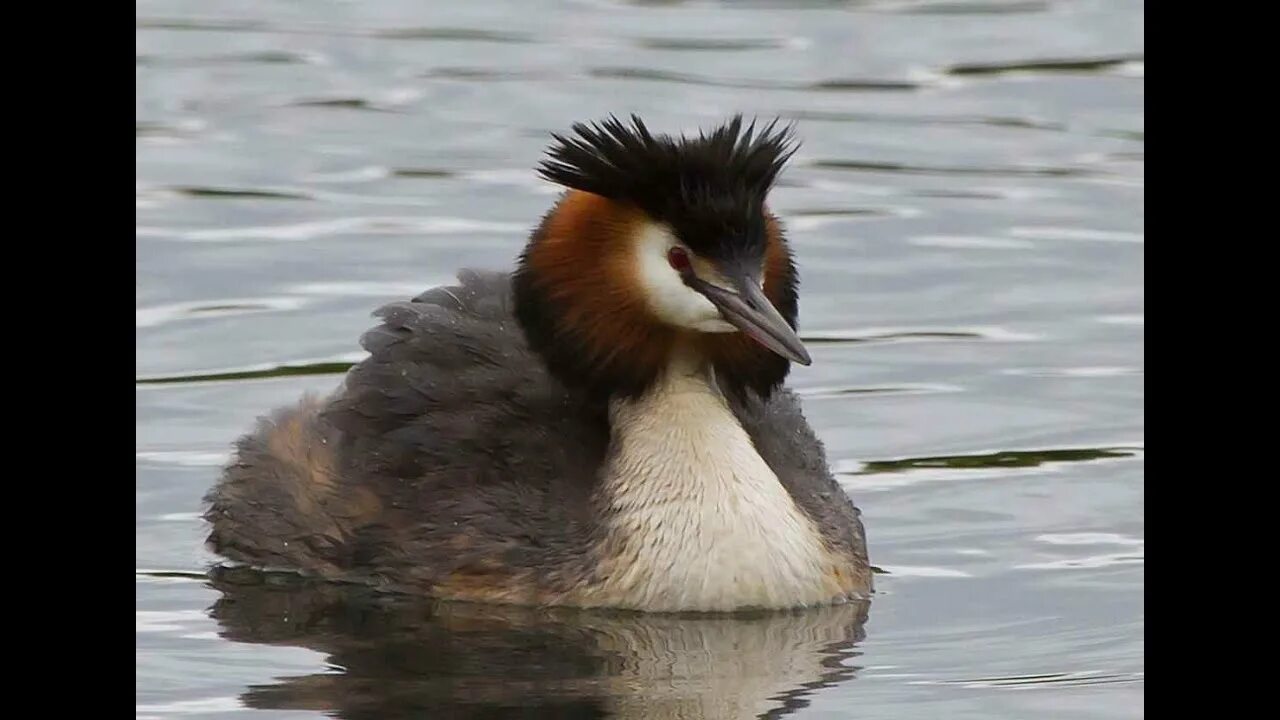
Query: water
(968, 214)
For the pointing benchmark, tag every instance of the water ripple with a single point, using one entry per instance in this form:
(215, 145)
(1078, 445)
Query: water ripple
(257, 372)
(882, 335)
(871, 166)
(837, 391)
(229, 193)
(1060, 679)
(420, 34)
(830, 85)
(380, 225)
(163, 314)
(711, 44)
(1075, 234)
(878, 475)
(1025, 123)
(942, 7)
(265, 57)
(968, 242)
(1067, 65)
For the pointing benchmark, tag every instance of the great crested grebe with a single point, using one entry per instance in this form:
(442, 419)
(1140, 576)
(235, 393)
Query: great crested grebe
(605, 427)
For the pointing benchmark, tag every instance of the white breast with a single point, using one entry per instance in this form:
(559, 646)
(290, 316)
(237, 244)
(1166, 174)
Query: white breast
(696, 520)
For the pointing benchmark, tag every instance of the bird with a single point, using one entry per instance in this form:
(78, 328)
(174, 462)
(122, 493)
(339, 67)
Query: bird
(604, 426)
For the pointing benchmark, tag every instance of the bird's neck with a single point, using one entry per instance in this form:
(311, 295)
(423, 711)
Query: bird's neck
(682, 434)
(693, 517)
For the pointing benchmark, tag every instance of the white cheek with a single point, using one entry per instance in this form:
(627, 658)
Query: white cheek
(667, 295)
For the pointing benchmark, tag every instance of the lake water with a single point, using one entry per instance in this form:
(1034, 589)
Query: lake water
(968, 215)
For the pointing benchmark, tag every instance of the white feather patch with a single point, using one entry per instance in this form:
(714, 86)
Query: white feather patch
(696, 519)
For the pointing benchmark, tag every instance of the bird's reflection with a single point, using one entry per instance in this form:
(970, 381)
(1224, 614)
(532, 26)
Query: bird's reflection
(394, 656)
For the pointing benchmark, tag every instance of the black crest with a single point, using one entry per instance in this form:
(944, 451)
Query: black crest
(710, 189)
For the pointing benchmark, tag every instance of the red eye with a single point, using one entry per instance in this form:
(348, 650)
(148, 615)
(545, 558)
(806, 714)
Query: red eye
(678, 259)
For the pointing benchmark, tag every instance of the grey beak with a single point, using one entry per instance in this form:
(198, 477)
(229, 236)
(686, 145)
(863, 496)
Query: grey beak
(751, 312)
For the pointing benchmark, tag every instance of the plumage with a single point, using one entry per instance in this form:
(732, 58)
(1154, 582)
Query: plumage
(480, 451)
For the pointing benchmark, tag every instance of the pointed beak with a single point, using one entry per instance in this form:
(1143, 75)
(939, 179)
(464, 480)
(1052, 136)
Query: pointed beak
(746, 308)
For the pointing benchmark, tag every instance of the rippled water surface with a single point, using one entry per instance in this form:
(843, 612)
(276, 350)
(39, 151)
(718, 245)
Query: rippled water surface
(967, 210)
